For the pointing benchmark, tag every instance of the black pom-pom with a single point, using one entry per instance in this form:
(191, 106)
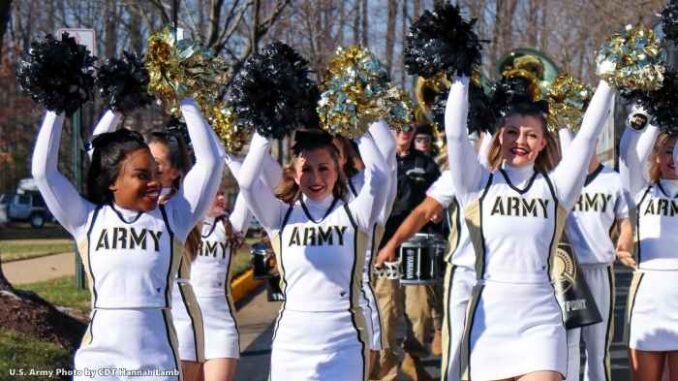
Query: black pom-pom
(442, 41)
(508, 92)
(663, 103)
(58, 75)
(123, 83)
(670, 21)
(273, 94)
(481, 116)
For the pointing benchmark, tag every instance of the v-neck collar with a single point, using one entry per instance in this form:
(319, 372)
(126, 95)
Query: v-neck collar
(327, 212)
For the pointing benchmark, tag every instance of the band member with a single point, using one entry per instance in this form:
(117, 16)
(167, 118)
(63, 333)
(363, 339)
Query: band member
(130, 246)
(515, 215)
(320, 242)
(651, 312)
(460, 273)
(601, 206)
(415, 174)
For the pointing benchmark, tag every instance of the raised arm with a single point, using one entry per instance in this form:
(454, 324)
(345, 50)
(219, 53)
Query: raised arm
(634, 148)
(259, 197)
(201, 182)
(466, 170)
(484, 149)
(565, 137)
(570, 174)
(240, 216)
(62, 199)
(367, 205)
(108, 123)
(386, 144)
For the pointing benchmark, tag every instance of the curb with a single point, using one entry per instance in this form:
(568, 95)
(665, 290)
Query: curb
(243, 284)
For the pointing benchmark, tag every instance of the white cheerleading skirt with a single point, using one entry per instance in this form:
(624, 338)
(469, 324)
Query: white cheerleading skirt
(459, 282)
(652, 317)
(221, 331)
(189, 326)
(368, 302)
(122, 344)
(513, 329)
(327, 346)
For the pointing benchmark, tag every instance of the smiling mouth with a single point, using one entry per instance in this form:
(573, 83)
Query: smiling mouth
(152, 194)
(316, 188)
(519, 151)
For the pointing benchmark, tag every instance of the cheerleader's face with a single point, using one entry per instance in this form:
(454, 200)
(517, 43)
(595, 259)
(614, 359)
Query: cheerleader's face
(522, 138)
(137, 186)
(218, 206)
(315, 172)
(167, 173)
(665, 160)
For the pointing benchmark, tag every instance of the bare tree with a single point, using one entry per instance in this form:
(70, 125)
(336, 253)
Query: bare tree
(390, 33)
(5, 8)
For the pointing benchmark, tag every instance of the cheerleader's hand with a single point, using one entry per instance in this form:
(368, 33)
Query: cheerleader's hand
(626, 258)
(386, 254)
(437, 218)
(638, 117)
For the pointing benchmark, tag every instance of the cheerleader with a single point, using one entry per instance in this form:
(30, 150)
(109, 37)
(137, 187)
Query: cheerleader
(460, 273)
(173, 162)
(130, 246)
(320, 241)
(210, 277)
(515, 214)
(652, 310)
(602, 203)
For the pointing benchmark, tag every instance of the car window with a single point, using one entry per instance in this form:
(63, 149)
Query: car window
(24, 199)
(38, 201)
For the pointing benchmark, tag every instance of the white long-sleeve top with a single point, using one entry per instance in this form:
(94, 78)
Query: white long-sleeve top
(517, 210)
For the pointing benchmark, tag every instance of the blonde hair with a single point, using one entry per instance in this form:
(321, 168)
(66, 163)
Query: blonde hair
(655, 169)
(547, 157)
(288, 190)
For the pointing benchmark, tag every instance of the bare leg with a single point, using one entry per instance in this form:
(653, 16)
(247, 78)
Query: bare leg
(646, 366)
(220, 369)
(191, 370)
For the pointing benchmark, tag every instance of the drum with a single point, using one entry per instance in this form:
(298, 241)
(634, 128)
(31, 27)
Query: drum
(573, 294)
(422, 259)
(263, 261)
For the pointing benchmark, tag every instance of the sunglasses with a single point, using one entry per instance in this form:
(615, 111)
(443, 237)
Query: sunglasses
(422, 139)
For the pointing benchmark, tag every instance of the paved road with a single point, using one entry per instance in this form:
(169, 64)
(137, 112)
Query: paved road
(256, 320)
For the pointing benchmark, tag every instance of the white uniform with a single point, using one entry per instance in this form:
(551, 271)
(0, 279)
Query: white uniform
(533, 338)
(211, 282)
(652, 314)
(320, 332)
(187, 316)
(130, 258)
(321, 265)
(368, 300)
(130, 265)
(460, 277)
(600, 204)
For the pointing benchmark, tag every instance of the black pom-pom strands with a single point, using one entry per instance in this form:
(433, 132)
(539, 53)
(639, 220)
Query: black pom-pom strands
(123, 83)
(59, 75)
(442, 41)
(273, 94)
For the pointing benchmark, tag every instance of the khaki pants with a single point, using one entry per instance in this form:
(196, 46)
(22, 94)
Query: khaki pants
(415, 303)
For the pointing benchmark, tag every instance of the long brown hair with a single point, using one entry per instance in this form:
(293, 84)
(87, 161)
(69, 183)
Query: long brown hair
(655, 168)
(288, 190)
(547, 157)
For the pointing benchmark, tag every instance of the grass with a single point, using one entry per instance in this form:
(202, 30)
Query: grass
(61, 292)
(14, 250)
(21, 353)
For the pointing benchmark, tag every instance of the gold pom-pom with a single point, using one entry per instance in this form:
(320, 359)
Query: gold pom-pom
(567, 100)
(632, 60)
(359, 93)
(182, 68)
(223, 121)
